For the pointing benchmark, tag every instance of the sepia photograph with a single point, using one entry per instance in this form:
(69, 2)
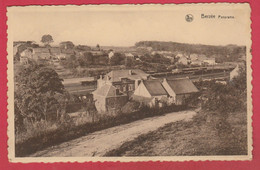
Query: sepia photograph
(129, 82)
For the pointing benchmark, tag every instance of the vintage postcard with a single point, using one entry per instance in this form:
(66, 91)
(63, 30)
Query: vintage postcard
(129, 83)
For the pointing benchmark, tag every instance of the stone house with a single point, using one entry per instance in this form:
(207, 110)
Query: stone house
(124, 80)
(109, 99)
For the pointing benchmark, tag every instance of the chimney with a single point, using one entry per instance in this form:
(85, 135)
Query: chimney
(130, 72)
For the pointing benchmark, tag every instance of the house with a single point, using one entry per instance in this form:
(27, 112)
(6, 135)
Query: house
(129, 55)
(27, 53)
(159, 93)
(124, 80)
(162, 52)
(110, 54)
(55, 51)
(193, 57)
(234, 73)
(15, 48)
(183, 60)
(210, 61)
(109, 99)
(24, 60)
(202, 57)
(151, 93)
(97, 52)
(67, 52)
(242, 58)
(179, 89)
(196, 62)
(41, 53)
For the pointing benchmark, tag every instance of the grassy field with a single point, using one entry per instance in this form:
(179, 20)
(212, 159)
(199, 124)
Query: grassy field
(205, 134)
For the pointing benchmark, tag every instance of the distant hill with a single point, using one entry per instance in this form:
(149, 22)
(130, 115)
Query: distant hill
(229, 51)
(118, 48)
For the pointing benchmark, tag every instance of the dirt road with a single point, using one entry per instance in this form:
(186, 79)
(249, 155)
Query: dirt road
(98, 143)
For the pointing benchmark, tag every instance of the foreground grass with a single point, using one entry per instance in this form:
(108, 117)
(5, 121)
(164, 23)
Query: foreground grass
(54, 134)
(205, 134)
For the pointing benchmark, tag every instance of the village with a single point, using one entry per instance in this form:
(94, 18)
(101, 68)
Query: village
(105, 86)
(116, 86)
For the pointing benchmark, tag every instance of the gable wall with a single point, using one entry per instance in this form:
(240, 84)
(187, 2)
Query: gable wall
(142, 91)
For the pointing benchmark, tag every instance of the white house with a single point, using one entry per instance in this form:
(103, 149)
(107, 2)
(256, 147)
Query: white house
(210, 61)
(193, 57)
(234, 73)
(179, 89)
(110, 54)
(183, 60)
(151, 93)
(130, 55)
(157, 93)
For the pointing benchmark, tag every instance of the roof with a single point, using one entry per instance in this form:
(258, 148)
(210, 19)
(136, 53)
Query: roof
(41, 50)
(202, 57)
(55, 50)
(136, 74)
(182, 86)
(129, 55)
(77, 80)
(97, 52)
(196, 61)
(67, 51)
(154, 87)
(106, 91)
(210, 59)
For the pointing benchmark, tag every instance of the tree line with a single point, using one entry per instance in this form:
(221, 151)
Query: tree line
(228, 52)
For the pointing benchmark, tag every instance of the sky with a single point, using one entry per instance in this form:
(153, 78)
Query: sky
(110, 25)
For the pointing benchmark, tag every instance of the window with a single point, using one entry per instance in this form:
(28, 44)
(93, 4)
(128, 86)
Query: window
(124, 87)
(130, 87)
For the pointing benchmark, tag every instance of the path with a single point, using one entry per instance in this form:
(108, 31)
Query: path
(100, 142)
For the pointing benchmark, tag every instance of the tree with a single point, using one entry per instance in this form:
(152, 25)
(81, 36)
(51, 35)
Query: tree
(239, 82)
(89, 58)
(47, 39)
(117, 59)
(98, 47)
(67, 45)
(71, 62)
(129, 62)
(89, 107)
(35, 89)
